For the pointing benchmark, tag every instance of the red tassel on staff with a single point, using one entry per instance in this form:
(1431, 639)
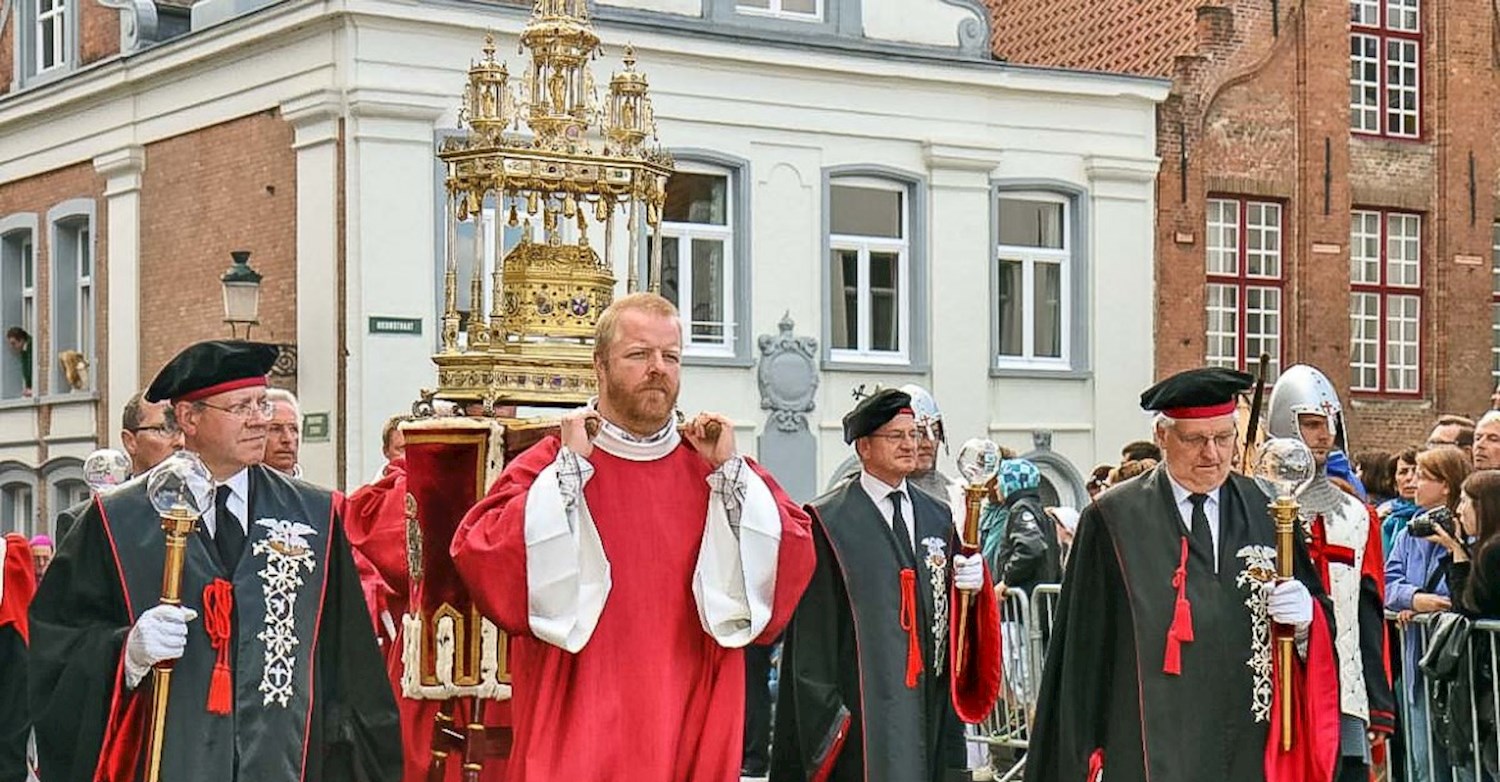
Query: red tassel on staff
(1181, 631)
(218, 612)
(909, 624)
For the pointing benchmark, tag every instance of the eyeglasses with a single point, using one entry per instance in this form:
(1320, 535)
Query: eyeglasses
(161, 430)
(896, 438)
(247, 411)
(292, 430)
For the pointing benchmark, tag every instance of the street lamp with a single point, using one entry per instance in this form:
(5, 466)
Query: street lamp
(241, 293)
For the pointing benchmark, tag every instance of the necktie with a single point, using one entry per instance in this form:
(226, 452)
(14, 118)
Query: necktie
(1201, 534)
(898, 525)
(229, 536)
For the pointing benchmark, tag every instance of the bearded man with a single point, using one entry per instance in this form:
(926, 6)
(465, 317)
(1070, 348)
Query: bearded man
(630, 570)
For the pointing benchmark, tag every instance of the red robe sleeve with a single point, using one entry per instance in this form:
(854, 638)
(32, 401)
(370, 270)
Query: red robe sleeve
(375, 523)
(489, 548)
(976, 688)
(794, 559)
(1314, 713)
(17, 582)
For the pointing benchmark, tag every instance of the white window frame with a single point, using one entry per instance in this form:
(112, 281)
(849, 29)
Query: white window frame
(775, 10)
(76, 219)
(686, 234)
(1397, 297)
(18, 508)
(1397, 37)
(57, 17)
(864, 245)
(85, 305)
(1030, 257)
(1231, 261)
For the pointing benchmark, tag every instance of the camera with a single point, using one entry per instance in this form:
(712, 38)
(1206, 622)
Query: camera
(1425, 524)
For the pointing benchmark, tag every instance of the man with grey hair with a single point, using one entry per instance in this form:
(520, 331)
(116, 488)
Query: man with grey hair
(148, 431)
(1487, 442)
(284, 433)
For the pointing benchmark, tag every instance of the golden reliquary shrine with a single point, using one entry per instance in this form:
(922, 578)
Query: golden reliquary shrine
(573, 168)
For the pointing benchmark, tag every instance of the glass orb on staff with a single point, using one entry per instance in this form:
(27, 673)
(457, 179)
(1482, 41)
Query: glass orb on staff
(181, 489)
(1285, 467)
(979, 462)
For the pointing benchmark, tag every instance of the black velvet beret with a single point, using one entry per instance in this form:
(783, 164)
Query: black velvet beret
(207, 368)
(874, 411)
(1197, 393)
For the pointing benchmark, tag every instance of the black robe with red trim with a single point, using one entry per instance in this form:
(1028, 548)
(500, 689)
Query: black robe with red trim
(844, 710)
(17, 585)
(307, 694)
(1106, 699)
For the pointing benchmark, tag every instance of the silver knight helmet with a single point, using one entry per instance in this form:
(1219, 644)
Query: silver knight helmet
(929, 417)
(1304, 389)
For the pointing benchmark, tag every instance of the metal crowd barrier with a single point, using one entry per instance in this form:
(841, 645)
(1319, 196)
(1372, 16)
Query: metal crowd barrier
(1025, 626)
(1430, 735)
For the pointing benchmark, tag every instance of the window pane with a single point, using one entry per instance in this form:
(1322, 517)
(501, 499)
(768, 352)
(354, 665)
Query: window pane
(1364, 248)
(1495, 259)
(865, 211)
(1011, 308)
(1364, 341)
(1495, 343)
(1263, 327)
(708, 291)
(1047, 301)
(1263, 235)
(885, 302)
(85, 254)
(1364, 83)
(1365, 12)
(844, 309)
(1403, 15)
(1402, 343)
(1223, 326)
(697, 198)
(1223, 245)
(669, 270)
(1401, 87)
(758, 4)
(1403, 248)
(800, 6)
(28, 265)
(1026, 223)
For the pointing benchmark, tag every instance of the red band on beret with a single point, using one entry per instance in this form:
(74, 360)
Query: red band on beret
(219, 388)
(905, 411)
(1204, 411)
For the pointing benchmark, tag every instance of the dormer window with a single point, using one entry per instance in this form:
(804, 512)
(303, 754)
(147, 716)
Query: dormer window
(798, 10)
(52, 46)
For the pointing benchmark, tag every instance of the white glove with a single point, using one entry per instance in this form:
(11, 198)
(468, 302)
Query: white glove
(968, 572)
(1290, 604)
(160, 634)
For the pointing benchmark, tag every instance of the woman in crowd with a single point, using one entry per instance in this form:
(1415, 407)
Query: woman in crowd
(1474, 575)
(1397, 511)
(1416, 583)
(1377, 471)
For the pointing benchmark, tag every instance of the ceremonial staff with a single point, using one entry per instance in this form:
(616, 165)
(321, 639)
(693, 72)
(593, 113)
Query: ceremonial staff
(979, 462)
(1255, 400)
(1286, 465)
(180, 489)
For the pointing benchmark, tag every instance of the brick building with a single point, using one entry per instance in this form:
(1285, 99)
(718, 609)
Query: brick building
(1327, 190)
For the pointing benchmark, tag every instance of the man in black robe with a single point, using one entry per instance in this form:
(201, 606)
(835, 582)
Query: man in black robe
(1161, 663)
(276, 674)
(867, 690)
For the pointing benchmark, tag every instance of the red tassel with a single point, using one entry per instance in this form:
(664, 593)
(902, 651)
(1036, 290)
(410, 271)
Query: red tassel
(218, 612)
(1181, 630)
(1096, 766)
(909, 624)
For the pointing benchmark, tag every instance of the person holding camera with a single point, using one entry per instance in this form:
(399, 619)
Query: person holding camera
(1416, 581)
(1476, 538)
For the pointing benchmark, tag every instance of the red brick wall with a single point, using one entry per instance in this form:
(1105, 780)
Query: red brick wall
(37, 195)
(100, 32)
(1253, 111)
(227, 187)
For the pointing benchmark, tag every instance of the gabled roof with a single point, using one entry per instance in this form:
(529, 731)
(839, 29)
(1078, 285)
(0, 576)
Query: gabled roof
(1124, 36)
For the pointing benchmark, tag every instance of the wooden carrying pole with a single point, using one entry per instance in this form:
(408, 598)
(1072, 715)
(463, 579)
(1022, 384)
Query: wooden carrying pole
(177, 525)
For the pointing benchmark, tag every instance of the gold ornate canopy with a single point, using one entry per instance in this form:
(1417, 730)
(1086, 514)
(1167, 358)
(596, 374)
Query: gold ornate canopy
(561, 166)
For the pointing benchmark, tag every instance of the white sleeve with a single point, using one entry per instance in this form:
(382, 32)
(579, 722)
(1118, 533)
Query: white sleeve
(735, 580)
(567, 574)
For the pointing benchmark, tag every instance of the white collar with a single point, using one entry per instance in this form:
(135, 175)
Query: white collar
(615, 441)
(239, 483)
(878, 489)
(1180, 493)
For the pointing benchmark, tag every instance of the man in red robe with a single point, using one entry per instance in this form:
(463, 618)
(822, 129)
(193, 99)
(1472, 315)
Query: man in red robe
(17, 586)
(630, 570)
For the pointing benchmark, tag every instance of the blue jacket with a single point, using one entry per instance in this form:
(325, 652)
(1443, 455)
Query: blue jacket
(1409, 567)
